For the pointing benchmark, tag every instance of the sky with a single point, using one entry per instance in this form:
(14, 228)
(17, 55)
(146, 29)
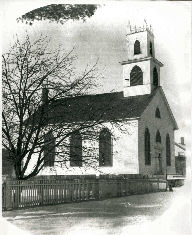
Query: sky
(103, 37)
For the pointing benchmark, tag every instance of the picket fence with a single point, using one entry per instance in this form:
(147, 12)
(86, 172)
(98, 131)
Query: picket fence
(18, 194)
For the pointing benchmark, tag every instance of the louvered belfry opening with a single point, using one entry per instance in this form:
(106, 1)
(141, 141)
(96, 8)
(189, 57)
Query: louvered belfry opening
(155, 77)
(147, 147)
(76, 149)
(136, 76)
(151, 48)
(49, 151)
(105, 148)
(168, 151)
(137, 49)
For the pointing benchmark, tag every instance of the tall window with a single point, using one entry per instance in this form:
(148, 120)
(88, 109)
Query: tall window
(157, 113)
(168, 151)
(158, 137)
(49, 149)
(151, 48)
(137, 49)
(76, 149)
(105, 148)
(155, 77)
(147, 147)
(136, 76)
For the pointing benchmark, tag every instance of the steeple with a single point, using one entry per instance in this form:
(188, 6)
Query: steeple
(141, 70)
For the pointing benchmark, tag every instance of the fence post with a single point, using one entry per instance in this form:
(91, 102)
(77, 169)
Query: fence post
(8, 195)
(40, 192)
(166, 186)
(96, 190)
(3, 196)
(119, 188)
(158, 184)
(17, 194)
(71, 191)
(89, 189)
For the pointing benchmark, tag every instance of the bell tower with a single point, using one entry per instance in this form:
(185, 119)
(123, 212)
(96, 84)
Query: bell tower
(141, 70)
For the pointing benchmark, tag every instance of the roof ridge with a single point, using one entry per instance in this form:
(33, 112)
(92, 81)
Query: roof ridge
(90, 95)
(109, 93)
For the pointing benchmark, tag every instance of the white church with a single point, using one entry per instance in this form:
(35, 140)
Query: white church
(147, 145)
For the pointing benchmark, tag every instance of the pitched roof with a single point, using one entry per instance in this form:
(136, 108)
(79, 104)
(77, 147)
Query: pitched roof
(169, 109)
(107, 106)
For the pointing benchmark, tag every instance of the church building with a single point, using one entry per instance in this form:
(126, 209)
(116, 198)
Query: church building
(146, 146)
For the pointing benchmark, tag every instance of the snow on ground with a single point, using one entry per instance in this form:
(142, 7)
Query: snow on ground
(138, 214)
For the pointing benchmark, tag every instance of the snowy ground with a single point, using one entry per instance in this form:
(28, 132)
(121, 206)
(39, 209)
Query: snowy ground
(113, 216)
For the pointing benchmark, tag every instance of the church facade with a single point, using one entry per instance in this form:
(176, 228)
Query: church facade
(146, 145)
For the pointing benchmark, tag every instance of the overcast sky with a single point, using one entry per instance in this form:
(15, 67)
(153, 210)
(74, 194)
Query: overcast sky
(103, 36)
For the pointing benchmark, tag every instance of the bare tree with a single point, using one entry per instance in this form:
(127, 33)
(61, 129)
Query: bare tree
(38, 86)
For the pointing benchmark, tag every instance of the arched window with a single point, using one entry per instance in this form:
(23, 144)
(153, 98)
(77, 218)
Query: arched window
(158, 137)
(137, 49)
(151, 48)
(147, 147)
(155, 77)
(49, 149)
(76, 149)
(136, 76)
(105, 148)
(157, 113)
(168, 151)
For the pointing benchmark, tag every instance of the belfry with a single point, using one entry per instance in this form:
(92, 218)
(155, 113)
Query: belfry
(141, 70)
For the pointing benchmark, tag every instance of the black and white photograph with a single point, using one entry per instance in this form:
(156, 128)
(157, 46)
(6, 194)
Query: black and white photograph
(96, 117)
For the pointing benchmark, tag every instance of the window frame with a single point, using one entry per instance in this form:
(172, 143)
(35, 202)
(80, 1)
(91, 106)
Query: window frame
(157, 113)
(137, 47)
(147, 147)
(151, 48)
(76, 146)
(168, 150)
(103, 161)
(155, 77)
(158, 137)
